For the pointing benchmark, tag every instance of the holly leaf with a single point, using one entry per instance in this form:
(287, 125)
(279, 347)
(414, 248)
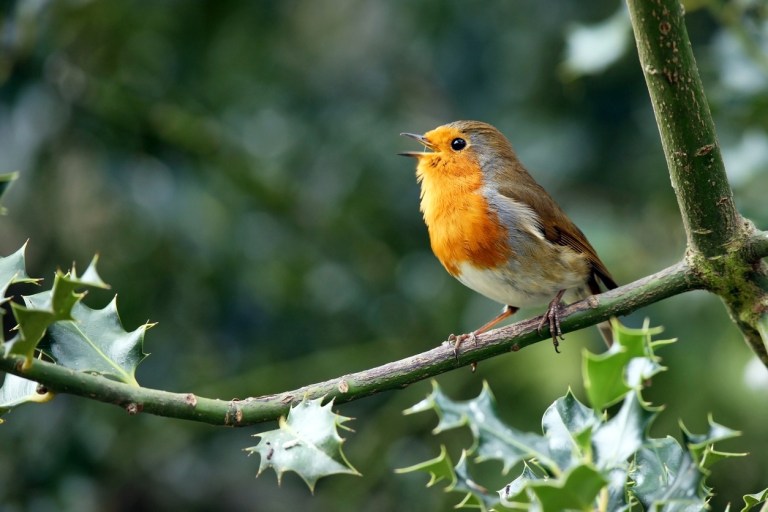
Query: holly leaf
(94, 341)
(13, 269)
(516, 494)
(493, 440)
(43, 309)
(752, 500)
(575, 490)
(618, 438)
(666, 477)
(440, 468)
(609, 376)
(567, 425)
(701, 446)
(307, 442)
(586, 460)
(458, 480)
(17, 390)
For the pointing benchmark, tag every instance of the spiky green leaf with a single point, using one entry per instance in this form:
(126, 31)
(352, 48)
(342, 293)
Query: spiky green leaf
(576, 490)
(17, 390)
(517, 494)
(13, 269)
(439, 468)
(475, 495)
(590, 461)
(609, 376)
(752, 500)
(567, 425)
(94, 341)
(458, 480)
(618, 438)
(701, 446)
(48, 307)
(666, 477)
(307, 442)
(31, 326)
(493, 440)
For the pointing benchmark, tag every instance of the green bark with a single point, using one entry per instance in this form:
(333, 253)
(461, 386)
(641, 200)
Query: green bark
(685, 125)
(720, 242)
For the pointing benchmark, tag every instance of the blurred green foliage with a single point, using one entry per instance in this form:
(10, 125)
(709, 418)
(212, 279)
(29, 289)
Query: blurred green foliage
(234, 165)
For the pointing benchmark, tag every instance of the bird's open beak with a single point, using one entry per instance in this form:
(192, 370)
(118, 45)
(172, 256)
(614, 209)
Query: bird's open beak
(423, 140)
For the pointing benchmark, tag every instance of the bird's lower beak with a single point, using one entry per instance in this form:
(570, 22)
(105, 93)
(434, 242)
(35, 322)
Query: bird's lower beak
(422, 139)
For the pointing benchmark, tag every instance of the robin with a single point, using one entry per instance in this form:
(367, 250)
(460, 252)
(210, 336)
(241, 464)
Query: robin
(498, 231)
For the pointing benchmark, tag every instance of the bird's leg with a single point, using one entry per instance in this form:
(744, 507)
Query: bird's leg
(552, 316)
(506, 312)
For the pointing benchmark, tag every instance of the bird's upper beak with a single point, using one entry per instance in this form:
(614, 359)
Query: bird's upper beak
(423, 140)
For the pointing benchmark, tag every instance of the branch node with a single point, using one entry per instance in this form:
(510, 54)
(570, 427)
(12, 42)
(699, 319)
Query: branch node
(191, 400)
(134, 408)
(651, 70)
(234, 415)
(705, 150)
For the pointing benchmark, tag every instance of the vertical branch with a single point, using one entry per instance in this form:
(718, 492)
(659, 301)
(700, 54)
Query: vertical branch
(685, 124)
(719, 240)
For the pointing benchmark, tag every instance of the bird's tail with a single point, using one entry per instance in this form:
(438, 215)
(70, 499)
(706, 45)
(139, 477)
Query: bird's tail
(606, 331)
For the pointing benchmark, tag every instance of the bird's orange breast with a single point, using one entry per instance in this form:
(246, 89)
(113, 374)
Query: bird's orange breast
(462, 227)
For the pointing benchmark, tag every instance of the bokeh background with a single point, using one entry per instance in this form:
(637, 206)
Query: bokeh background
(234, 164)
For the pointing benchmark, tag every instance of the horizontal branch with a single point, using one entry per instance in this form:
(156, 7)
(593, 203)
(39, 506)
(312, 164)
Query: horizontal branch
(674, 280)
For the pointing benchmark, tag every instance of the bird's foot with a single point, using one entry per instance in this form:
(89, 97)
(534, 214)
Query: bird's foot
(461, 338)
(552, 318)
(458, 340)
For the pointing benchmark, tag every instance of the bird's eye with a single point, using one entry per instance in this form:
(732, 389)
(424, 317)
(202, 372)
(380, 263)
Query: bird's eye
(458, 144)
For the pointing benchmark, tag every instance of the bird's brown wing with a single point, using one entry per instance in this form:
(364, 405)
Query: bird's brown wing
(576, 240)
(557, 227)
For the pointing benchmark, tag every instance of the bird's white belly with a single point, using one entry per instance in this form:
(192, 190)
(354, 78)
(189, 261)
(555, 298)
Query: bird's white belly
(518, 289)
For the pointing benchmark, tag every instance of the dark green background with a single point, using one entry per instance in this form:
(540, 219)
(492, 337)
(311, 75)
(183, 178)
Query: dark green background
(234, 164)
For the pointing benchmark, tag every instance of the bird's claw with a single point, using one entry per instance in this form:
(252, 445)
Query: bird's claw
(458, 340)
(552, 318)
